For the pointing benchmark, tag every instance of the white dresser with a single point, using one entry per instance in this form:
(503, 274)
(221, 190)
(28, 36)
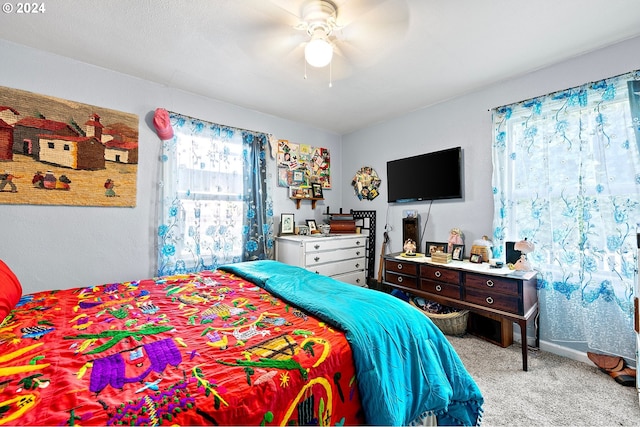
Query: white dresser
(339, 256)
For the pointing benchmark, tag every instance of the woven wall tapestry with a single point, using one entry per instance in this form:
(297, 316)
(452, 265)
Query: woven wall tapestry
(59, 152)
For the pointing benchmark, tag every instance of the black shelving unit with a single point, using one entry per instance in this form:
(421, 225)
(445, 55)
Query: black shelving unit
(366, 220)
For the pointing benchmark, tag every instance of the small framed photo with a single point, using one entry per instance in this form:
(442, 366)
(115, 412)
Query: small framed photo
(294, 192)
(287, 223)
(457, 254)
(410, 214)
(475, 258)
(311, 223)
(316, 189)
(298, 176)
(433, 247)
(304, 192)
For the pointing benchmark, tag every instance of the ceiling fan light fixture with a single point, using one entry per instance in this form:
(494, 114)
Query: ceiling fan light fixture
(319, 20)
(318, 52)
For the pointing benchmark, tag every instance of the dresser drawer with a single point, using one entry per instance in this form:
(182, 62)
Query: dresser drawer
(354, 278)
(319, 244)
(494, 284)
(444, 289)
(339, 267)
(401, 267)
(440, 274)
(495, 300)
(315, 258)
(401, 279)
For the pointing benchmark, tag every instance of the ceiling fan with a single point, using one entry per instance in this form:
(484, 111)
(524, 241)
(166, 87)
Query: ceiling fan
(347, 35)
(319, 21)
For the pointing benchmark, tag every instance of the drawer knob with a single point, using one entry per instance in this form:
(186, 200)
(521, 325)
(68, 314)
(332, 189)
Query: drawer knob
(490, 283)
(489, 300)
(357, 265)
(358, 253)
(399, 279)
(357, 280)
(437, 273)
(357, 242)
(316, 246)
(399, 266)
(316, 259)
(438, 288)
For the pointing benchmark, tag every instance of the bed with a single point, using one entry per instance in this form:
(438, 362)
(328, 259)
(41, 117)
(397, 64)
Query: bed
(253, 343)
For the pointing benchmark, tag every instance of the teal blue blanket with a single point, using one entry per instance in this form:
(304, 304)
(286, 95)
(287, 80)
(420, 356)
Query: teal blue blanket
(405, 367)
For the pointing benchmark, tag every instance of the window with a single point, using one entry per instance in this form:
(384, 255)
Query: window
(212, 212)
(567, 177)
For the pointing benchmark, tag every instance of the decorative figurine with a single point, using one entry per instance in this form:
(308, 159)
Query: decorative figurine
(455, 238)
(409, 247)
(525, 247)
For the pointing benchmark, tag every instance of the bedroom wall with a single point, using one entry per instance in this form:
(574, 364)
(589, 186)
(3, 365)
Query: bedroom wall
(464, 121)
(56, 247)
(60, 246)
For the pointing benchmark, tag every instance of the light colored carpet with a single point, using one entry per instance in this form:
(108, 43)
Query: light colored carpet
(555, 391)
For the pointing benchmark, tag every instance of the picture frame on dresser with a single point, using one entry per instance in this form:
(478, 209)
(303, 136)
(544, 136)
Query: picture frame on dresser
(311, 223)
(287, 224)
(475, 258)
(431, 247)
(457, 253)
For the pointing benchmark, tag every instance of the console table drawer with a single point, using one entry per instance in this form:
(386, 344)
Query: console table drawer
(440, 274)
(451, 291)
(401, 267)
(493, 283)
(495, 300)
(401, 280)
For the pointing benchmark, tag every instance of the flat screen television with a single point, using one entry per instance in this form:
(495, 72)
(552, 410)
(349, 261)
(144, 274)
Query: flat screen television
(430, 176)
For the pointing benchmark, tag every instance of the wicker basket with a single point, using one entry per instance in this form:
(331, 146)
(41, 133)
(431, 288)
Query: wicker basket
(454, 323)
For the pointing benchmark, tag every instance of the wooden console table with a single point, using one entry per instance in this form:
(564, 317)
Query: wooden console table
(499, 292)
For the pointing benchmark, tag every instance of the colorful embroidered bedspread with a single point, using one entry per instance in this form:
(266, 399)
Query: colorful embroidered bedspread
(201, 349)
(405, 366)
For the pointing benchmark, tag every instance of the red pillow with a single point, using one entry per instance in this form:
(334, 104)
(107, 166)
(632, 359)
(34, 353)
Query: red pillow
(10, 290)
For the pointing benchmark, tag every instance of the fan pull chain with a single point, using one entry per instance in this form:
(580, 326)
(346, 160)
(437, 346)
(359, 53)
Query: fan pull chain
(330, 78)
(305, 68)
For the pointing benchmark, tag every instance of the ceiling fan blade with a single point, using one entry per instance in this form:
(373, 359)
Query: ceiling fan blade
(267, 31)
(370, 29)
(351, 10)
(292, 7)
(284, 12)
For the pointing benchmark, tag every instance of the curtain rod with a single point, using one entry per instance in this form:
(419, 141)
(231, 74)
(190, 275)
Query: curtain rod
(235, 127)
(563, 90)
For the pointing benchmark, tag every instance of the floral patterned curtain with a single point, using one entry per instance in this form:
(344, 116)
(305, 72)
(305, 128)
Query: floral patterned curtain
(567, 177)
(215, 206)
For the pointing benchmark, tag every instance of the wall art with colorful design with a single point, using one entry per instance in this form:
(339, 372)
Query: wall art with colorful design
(300, 165)
(59, 152)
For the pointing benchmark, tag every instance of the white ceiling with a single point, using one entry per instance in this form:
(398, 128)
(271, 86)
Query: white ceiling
(394, 56)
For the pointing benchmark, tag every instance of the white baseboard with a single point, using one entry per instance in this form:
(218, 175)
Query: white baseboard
(555, 349)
